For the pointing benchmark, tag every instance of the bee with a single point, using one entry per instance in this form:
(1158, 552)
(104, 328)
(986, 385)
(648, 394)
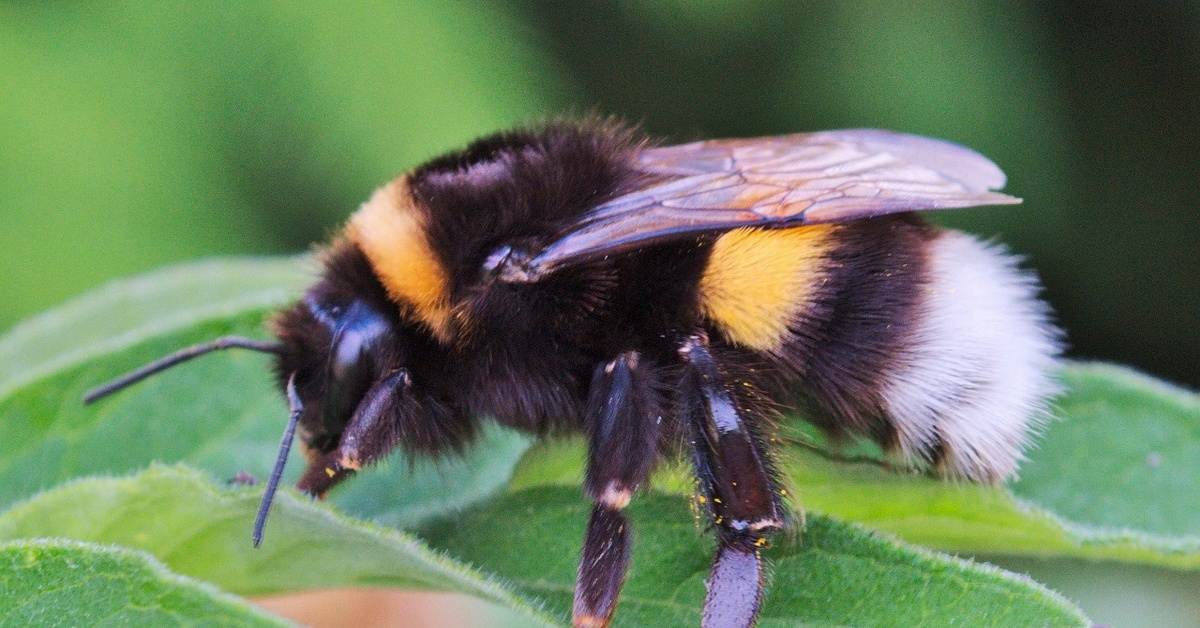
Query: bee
(576, 277)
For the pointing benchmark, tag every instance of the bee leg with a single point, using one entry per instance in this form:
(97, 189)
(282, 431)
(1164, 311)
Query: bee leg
(736, 485)
(622, 423)
(369, 436)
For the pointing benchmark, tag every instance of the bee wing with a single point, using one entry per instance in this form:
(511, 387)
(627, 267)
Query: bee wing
(783, 181)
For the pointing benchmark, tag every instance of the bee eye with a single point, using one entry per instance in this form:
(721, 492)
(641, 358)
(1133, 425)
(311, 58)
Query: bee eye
(353, 360)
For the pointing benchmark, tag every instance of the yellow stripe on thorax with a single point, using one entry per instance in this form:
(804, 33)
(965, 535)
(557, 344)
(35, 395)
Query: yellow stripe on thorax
(759, 280)
(391, 231)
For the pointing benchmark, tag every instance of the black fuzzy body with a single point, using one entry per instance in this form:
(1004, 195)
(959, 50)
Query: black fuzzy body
(524, 354)
(859, 325)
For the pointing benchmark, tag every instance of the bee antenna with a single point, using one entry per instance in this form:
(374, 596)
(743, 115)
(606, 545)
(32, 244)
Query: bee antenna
(285, 445)
(183, 355)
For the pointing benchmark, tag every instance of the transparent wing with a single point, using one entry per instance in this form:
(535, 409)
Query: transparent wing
(789, 180)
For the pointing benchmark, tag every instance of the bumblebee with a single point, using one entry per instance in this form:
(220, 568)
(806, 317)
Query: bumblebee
(579, 278)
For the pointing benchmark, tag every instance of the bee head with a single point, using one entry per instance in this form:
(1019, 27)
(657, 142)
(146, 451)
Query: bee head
(338, 360)
(339, 347)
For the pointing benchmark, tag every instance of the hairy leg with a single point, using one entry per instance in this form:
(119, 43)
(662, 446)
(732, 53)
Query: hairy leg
(622, 420)
(736, 486)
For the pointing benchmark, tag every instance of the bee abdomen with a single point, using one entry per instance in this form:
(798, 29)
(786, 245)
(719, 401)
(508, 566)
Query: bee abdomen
(927, 341)
(973, 380)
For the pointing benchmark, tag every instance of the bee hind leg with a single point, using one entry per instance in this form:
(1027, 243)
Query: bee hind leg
(621, 421)
(736, 486)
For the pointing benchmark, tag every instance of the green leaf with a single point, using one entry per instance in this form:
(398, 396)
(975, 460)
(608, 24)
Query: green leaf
(402, 492)
(218, 413)
(1126, 454)
(832, 574)
(1092, 461)
(221, 413)
(128, 311)
(67, 583)
(203, 532)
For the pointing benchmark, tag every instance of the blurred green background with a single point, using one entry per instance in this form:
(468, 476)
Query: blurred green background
(134, 134)
(138, 133)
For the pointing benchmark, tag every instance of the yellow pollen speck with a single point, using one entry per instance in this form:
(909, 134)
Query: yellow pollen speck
(783, 491)
(760, 542)
(716, 500)
(330, 472)
(759, 280)
(703, 499)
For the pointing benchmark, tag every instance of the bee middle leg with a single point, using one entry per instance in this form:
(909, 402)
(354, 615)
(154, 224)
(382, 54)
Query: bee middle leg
(736, 486)
(622, 423)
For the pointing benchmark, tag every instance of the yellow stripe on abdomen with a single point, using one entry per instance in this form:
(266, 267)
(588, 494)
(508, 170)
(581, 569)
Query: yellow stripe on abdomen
(759, 280)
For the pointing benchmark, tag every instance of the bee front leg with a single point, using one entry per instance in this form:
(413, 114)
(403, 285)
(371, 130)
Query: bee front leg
(736, 486)
(370, 434)
(622, 422)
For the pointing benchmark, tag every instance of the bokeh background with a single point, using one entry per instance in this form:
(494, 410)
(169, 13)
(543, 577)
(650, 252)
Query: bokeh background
(139, 133)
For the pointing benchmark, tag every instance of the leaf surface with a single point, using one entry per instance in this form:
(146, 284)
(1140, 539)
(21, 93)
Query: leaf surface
(202, 531)
(68, 583)
(833, 574)
(220, 413)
